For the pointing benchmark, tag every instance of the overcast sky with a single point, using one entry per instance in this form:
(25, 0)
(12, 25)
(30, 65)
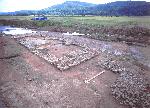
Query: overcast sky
(14, 5)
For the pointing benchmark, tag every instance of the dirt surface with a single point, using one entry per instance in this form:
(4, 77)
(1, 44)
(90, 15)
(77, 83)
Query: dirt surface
(53, 70)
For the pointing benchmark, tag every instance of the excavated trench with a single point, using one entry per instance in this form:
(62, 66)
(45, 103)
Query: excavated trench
(74, 60)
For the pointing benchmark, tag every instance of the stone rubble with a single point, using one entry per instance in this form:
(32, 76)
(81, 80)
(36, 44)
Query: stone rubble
(75, 58)
(68, 60)
(52, 59)
(32, 43)
(131, 87)
(116, 64)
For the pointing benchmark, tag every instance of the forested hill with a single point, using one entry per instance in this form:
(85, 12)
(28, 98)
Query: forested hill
(128, 8)
(118, 8)
(69, 8)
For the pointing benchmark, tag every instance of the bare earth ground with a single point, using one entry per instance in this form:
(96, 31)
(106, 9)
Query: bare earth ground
(58, 71)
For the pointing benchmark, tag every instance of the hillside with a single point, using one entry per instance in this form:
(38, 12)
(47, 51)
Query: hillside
(69, 8)
(120, 8)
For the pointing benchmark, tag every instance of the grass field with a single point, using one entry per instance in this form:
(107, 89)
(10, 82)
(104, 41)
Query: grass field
(87, 20)
(102, 28)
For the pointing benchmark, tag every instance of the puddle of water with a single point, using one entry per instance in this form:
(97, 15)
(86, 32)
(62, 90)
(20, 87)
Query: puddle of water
(14, 30)
(73, 34)
(4, 28)
(108, 47)
(136, 53)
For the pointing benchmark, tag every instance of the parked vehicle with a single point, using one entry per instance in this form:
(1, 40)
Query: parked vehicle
(40, 18)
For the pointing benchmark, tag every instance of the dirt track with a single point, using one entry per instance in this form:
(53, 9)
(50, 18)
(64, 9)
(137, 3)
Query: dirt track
(29, 79)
